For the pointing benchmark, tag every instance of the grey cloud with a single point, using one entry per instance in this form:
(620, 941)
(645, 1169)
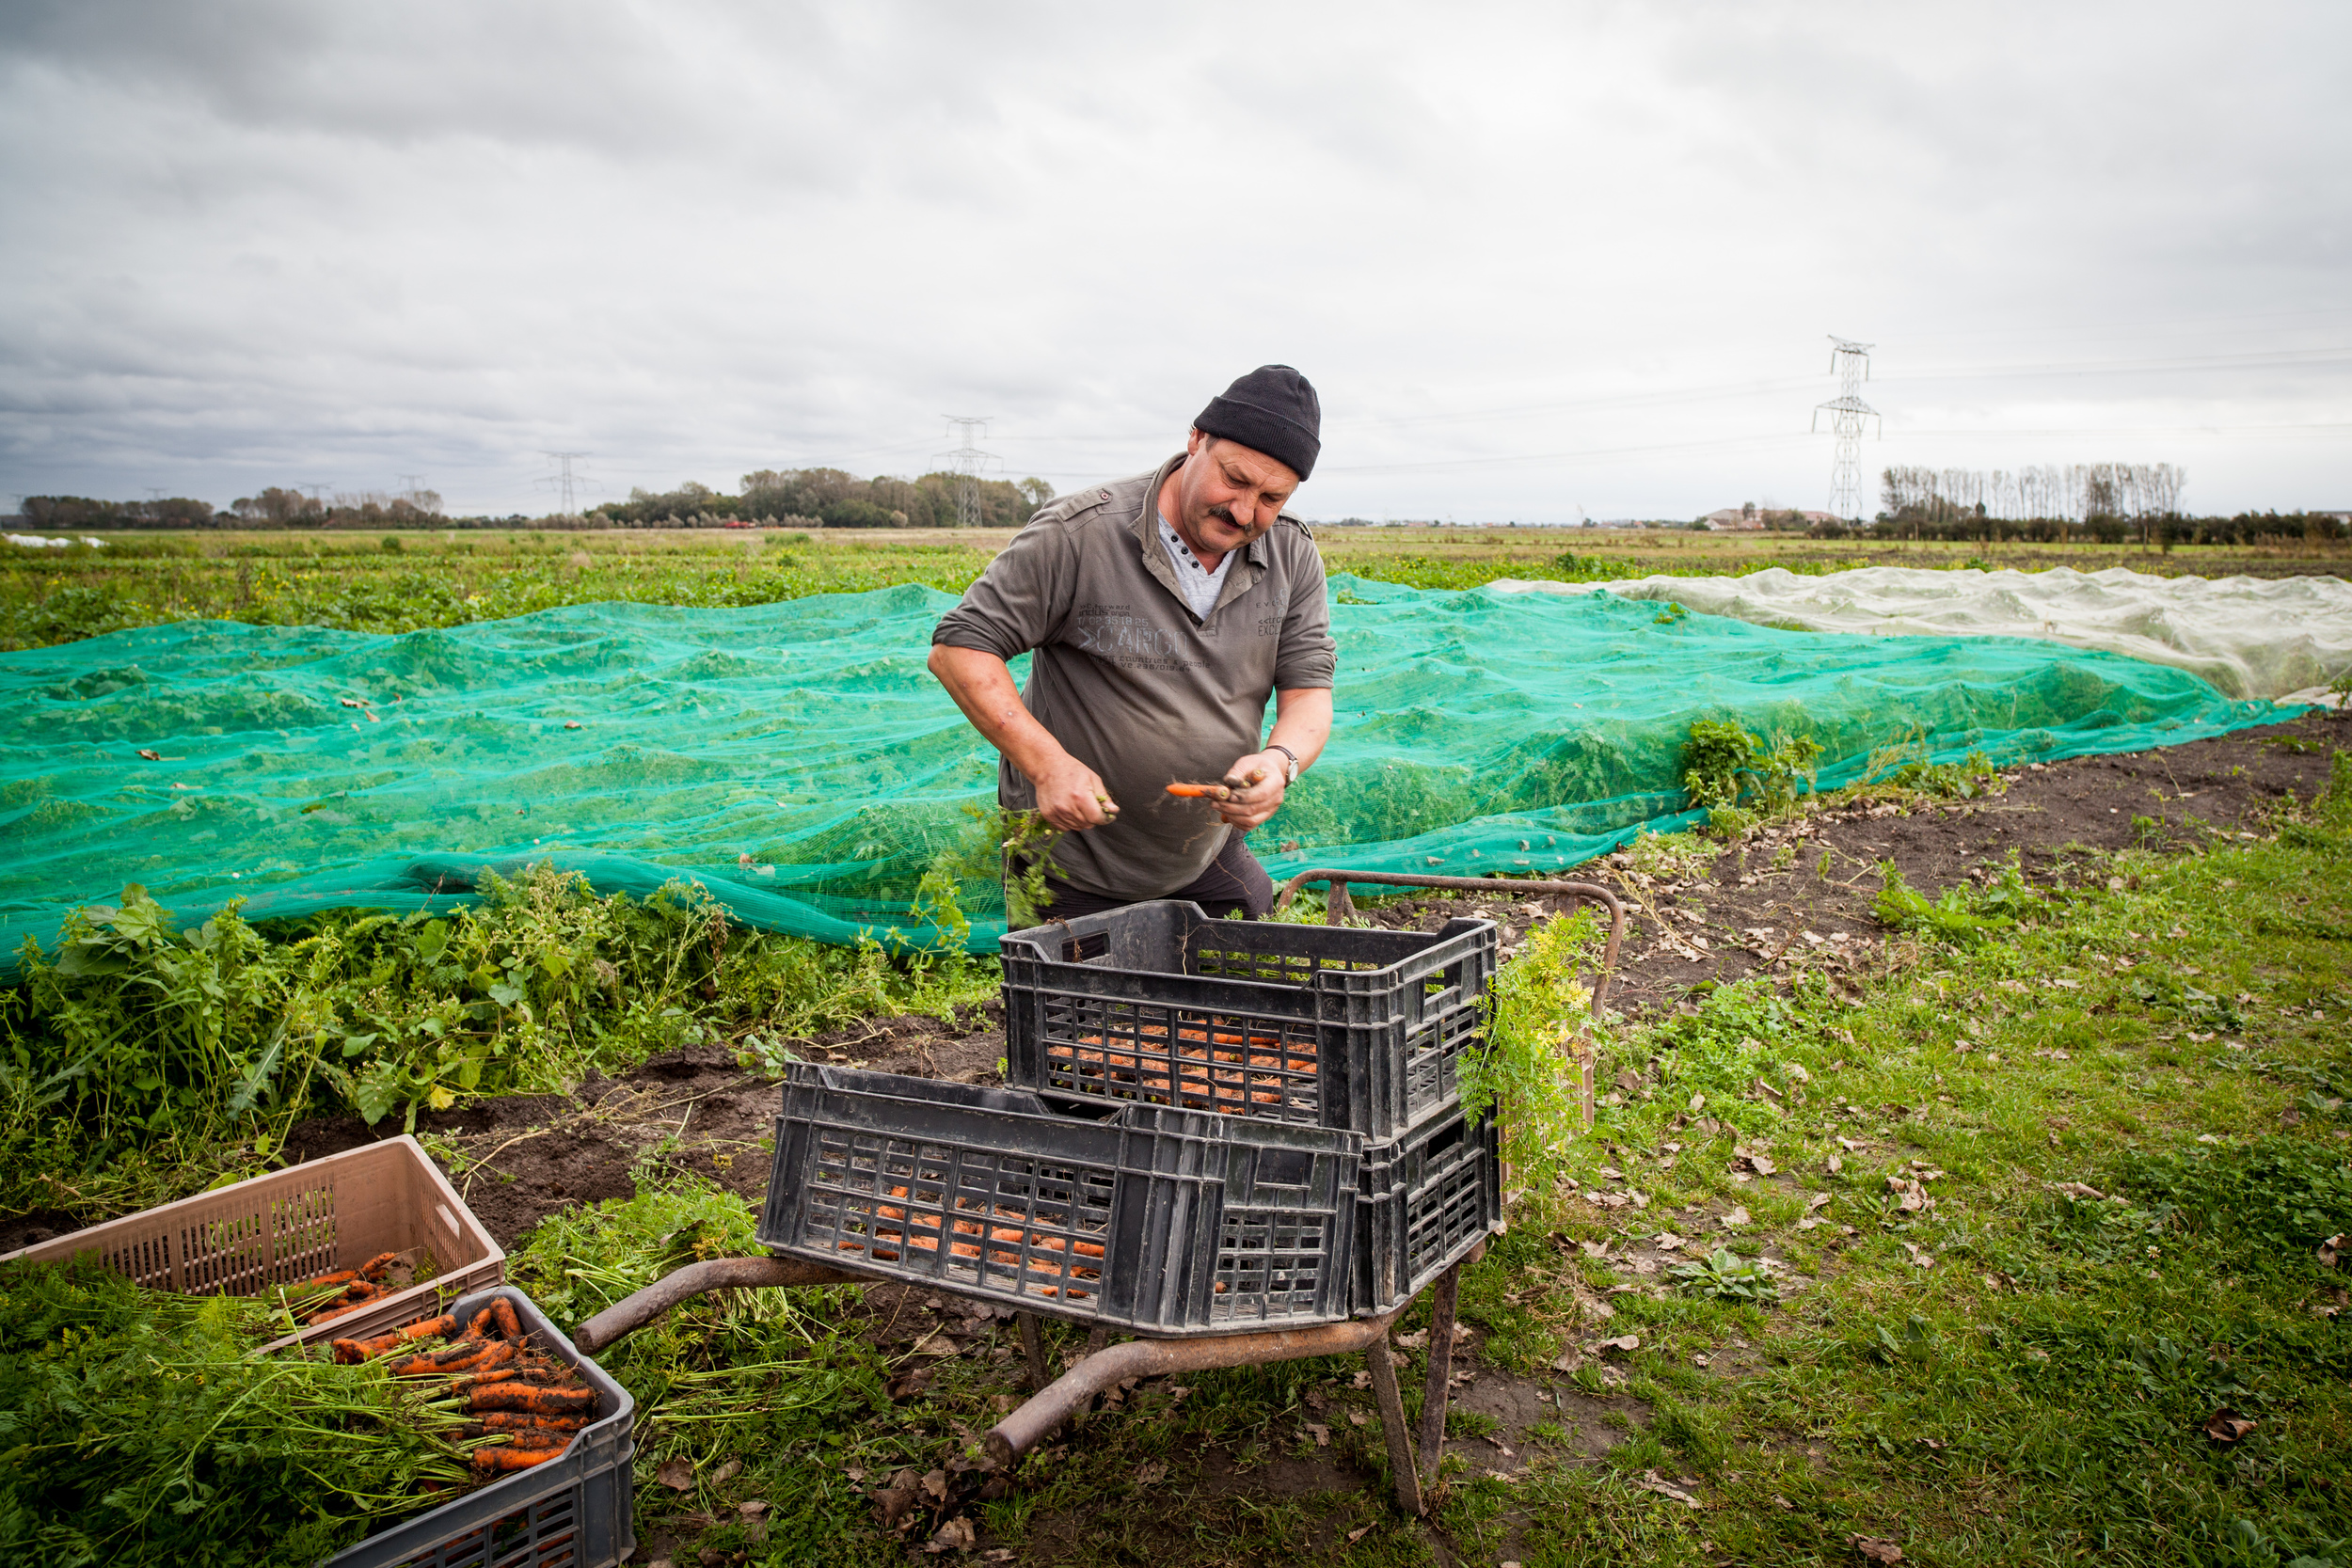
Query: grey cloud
(696, 238)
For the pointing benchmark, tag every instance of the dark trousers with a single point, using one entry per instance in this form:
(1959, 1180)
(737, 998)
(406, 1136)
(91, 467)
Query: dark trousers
(1233, 885)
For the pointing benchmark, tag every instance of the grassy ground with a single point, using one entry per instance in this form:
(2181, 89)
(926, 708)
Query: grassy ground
(404, 581)
(2042, 1213)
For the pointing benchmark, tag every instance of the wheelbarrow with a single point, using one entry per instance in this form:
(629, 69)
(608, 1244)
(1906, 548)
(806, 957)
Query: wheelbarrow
(1055, 1399)
(1414, 1463)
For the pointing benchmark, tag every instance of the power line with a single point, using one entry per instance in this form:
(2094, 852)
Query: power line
(1850, 362)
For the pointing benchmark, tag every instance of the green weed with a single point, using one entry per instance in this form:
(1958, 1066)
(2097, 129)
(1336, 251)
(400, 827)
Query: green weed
(136, 1051)
(1953, 917)
(1722, 1276)
(1723, 763)
(1540, 1022)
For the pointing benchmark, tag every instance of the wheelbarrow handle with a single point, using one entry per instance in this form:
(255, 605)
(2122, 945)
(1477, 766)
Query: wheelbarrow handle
(632, 1313)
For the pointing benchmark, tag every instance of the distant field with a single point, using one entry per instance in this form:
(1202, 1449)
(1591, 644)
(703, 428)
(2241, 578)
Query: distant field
(391, 582)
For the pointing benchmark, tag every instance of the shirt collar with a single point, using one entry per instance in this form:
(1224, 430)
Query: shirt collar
(1147, 521)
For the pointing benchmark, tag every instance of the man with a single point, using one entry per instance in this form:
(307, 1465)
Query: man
(1163, 610)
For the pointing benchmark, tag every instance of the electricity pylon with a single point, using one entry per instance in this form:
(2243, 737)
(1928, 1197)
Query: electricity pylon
(1850, 362)
(969, 462)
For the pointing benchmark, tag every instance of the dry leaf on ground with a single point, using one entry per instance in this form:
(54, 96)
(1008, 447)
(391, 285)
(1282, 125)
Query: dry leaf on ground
(675, 1474)
(1652, 1481)
(956, 1535)
(1877, 1550)
(2226, 1425)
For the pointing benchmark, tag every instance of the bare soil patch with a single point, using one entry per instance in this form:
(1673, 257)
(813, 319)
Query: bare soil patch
(1799, 895)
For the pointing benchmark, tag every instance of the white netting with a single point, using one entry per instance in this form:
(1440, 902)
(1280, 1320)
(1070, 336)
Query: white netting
(2251, 636)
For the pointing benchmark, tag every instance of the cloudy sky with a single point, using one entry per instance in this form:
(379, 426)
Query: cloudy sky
(1542, 261)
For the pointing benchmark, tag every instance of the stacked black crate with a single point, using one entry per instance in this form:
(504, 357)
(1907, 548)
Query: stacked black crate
(1146, 1217)
(1354, 1030)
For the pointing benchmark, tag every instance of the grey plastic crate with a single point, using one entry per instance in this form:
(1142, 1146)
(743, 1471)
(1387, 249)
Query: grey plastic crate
(572, 1512)
(1425, 1200)
(1171, 1223)
(1323, 1025)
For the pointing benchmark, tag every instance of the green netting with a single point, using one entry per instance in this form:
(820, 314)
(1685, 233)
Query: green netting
(798, 762)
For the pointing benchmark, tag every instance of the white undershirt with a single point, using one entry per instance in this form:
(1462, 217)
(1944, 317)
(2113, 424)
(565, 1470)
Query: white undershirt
(1200, 586)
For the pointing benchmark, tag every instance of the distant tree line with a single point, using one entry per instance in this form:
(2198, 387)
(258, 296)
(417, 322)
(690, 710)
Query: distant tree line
(827, 498)
(790, 498)
(2106, 502)
(275, 507)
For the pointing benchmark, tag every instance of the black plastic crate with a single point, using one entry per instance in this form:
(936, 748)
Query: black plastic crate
(1427, 1199)
(1162, 1221)
(1323, 1025)
(572, 1512)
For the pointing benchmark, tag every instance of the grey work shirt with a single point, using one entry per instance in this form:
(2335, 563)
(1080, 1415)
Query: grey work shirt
(1131, 681)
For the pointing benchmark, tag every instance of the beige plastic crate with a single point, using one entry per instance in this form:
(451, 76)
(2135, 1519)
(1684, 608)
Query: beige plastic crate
(297, 1224)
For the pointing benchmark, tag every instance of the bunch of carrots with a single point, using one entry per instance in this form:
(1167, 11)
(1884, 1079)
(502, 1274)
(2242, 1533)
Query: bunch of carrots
(1215, 1086)
(352, 1288)
(527, 1404)
(887, 1236)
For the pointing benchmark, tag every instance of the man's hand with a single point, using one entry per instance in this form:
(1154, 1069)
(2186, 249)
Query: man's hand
(1255, 785)
(1071, 796)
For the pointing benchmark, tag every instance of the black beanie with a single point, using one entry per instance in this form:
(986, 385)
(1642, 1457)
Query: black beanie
(1274, 410)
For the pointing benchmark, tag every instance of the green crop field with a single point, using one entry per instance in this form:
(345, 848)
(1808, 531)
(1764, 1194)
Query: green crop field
(394, 582)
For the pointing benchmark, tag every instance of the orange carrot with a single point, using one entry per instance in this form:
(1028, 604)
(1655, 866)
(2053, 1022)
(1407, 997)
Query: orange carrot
(516, 1421)
(509, 1327)
(507, 1457)
(376, 1267)
(531, 1399)
(358, 1296)
(480, 1358)
(513, 1371)
(1199, 792)
(351, 1351)
(476, 1356)
(427, 1328)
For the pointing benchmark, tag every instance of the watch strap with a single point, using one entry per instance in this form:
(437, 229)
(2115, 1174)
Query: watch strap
(1293, 755)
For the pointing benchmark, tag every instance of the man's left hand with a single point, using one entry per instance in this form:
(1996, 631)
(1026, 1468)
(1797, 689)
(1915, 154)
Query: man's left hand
(1256, 783)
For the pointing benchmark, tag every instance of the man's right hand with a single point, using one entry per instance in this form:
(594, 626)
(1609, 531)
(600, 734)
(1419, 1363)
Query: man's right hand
(1070, 797)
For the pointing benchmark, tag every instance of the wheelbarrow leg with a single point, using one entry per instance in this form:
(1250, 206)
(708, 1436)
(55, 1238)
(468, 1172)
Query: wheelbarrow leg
(1033, 1351)
(1392, 1426)
(1044, 1411)
(1433, 1398)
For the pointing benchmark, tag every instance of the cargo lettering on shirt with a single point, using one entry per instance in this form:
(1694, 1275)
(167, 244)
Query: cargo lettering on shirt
(1131, 640)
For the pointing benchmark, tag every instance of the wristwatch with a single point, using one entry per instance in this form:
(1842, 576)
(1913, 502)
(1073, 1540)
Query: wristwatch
(1292, 777)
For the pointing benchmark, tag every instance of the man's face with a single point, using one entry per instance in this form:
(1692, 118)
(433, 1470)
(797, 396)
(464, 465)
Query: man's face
(1227, 494)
